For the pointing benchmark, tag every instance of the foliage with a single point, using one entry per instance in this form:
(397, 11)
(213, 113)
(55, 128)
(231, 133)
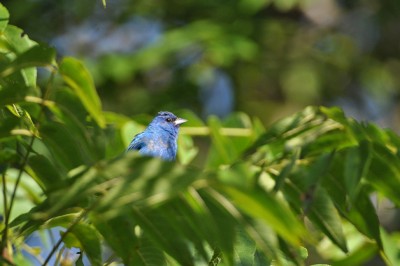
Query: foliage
(296, 193)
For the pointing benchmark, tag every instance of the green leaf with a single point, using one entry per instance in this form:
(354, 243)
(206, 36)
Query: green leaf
(163, 232)
(365, 218)
(6, 125)
(384, 173)
(186, 149)
(81, 235)
(322, 213)
(226, 146)
(79, 261)
(221, 224)
(264, 206)
(24, 117)
(15, 41)
(335, 113)
(359, 256)
(89, 240)
(224, 151)
(192, 119)
(119, 234)
(14, 89)
(70, 110)
(45, 172)
(307, 176)
(252, 6)
(4, 16)
(66, 144)
(180, 221)
(70, 240)
(280, 179)
(79, 79)
(357, 162)
(37, 56)
(245, 250)
(391, 247)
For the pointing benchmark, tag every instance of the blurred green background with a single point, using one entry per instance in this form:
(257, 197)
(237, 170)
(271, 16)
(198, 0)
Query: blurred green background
(267, 58)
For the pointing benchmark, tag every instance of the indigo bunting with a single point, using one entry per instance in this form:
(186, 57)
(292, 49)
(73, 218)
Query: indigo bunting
(159, 139)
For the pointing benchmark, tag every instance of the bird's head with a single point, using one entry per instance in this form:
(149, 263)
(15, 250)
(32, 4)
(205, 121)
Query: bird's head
(167, 121)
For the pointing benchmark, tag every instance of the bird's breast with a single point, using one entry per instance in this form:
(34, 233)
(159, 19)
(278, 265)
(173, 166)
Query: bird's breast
(160, 148)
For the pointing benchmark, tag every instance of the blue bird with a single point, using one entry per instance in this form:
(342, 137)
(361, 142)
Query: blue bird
(159, 139)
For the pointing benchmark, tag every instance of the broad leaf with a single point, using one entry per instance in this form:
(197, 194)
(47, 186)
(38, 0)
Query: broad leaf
(37, 56)
(79, 79)
(4, 16)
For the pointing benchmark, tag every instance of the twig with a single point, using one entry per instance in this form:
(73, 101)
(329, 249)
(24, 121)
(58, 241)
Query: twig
(14, 192)
(60, 241)
(226, 131)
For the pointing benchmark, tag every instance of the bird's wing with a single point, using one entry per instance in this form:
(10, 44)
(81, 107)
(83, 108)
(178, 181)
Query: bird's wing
(137, 143)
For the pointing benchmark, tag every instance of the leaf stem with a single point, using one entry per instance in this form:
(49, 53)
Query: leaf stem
(69, 229)
(225, 131)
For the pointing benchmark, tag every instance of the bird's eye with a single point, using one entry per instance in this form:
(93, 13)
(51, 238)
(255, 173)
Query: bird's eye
(168, 119)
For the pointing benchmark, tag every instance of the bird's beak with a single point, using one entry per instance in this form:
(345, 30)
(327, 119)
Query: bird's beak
(179, 121)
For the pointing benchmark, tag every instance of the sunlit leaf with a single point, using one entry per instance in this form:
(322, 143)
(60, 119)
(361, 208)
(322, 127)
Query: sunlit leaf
(79, 79)
(4, 16)
(223, 147)
(16, 41)
(391, 244)
(358, 257)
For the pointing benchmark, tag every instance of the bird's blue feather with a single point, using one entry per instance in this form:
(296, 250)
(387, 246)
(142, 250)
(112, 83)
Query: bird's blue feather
(159, 139)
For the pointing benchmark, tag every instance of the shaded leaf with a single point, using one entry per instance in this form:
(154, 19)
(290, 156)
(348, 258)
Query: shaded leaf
(45, 172)
(384, 173)
(356, 166)
(119, 234)
(36, 56)
(89, 241)
(14, 89)
(266, 207)
(66, 145)
(365, 218)
(323, 213)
